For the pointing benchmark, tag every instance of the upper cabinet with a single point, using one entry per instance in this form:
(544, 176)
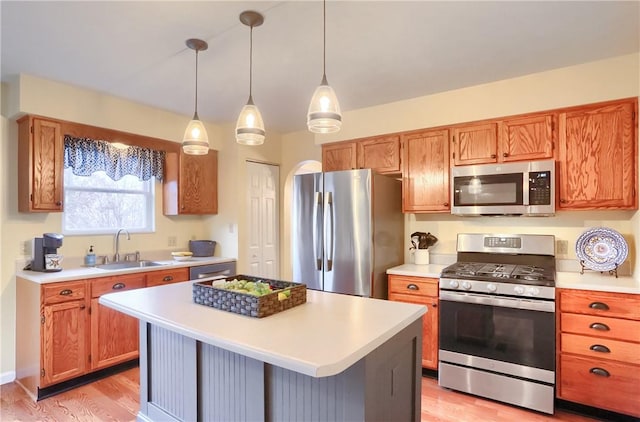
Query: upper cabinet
(339, 156)
(526, 138)
(598, 154)
(191, 183)
(474, 144)
(380, 153)
(522, 138)
(425, 171)
(40, 165)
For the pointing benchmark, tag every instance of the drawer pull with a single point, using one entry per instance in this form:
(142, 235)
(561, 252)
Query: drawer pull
(599, 326)
(600, 348)
(118, 286)
(599, 305)
(168, 278)
(600, 372)
(412, 287)
(66, 292)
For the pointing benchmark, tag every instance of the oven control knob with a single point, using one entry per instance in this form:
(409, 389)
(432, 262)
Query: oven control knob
(533, 291)
(519, 290)
(492, 287)
(453, 284)
(466, 285)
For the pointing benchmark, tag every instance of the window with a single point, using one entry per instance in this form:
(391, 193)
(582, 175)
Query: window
(97, 204)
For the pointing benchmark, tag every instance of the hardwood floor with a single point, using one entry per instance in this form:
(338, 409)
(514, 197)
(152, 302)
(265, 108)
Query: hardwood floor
(116, 399)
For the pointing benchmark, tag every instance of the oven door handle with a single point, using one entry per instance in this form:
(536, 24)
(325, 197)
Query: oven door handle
(503, 302)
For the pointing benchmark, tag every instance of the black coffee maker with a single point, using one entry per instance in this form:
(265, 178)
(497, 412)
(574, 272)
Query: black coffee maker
(44, 248)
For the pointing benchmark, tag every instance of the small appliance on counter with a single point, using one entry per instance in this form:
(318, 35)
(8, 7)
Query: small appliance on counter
(45, 253)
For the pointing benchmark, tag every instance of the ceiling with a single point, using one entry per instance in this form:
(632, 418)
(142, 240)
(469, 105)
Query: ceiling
(377, 52)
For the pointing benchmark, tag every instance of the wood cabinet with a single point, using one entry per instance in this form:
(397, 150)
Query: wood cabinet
(475, 143)
(425, 171)
(599, 349)
(190, 183)
(598, 154)
(519, 138)
(40, 165)
(159, 278)
(339, 156)
(421, 291)
(380, 153)
(114, 335)
(63, 332)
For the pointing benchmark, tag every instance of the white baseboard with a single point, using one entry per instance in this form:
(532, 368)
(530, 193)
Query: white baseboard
(7, 377)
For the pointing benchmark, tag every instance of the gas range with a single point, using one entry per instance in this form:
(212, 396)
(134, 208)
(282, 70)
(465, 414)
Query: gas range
(511, 265)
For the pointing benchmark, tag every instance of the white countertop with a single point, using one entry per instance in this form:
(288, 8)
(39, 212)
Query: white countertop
(320, 338)
(93, 272)
(430, 270)
(590, 280)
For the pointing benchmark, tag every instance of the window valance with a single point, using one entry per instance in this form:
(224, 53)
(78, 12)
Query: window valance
(86, 156)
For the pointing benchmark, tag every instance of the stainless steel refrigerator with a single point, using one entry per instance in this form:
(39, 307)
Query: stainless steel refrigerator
(347, 230)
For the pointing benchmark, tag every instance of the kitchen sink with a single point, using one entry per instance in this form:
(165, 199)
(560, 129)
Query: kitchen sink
(128, 264)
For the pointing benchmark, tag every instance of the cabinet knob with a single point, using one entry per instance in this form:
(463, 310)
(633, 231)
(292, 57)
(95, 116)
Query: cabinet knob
(599, 305)
(167, 278)
(118, 286)
(504, 154)
(82, 306)
(412, 287)
(59, 203)
(66, 292)
(599, 326)
(600, 372)
(600, 348)
(446, 204)
(493, 156)
(435, 305)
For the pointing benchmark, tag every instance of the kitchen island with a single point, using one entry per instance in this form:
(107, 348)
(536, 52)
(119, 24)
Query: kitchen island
(336, 357)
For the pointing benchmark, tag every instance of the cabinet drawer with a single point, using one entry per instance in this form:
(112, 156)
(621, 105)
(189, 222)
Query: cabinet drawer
(157, 278)
(599, 326)
(619, 305)
(416, 286)
(616, 389)
(622, 351)
(100, 286)
(63, 292)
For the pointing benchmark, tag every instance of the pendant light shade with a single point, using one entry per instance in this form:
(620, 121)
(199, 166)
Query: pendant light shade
(250, 127)
(195, 140)
(324, 115)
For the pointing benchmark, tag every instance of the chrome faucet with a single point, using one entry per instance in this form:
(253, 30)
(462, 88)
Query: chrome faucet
(116, 257)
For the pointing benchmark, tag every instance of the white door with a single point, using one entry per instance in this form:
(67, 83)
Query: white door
(264, 227)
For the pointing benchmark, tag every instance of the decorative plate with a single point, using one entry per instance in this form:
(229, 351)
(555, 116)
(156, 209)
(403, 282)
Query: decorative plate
(601, 249)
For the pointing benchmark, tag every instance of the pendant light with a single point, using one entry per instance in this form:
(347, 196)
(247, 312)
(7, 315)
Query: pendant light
(250, 127)
(195, 140)
(324, 114)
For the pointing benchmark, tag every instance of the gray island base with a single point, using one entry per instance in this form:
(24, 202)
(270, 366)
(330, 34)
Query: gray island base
(335, 358)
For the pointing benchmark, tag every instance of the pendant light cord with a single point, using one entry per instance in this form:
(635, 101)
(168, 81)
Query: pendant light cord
(195, 114)
(324, 38)
(250, 62)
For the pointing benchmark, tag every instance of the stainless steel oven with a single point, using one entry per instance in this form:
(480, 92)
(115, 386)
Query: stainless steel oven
(497, 319)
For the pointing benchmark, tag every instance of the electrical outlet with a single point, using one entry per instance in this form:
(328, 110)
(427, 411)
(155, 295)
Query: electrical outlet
(24, 247)
(562, 247)
(173, 241)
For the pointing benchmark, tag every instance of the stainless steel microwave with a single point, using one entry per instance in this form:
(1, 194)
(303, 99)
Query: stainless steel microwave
(523, 188)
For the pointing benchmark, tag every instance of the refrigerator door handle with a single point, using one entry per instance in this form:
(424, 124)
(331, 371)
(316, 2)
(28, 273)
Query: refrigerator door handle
(328, 214)
(317, 240)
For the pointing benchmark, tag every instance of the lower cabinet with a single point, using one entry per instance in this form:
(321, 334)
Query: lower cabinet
(64, 332)
(77, 335)
(599, 349)
(114, 335)
(421, 291)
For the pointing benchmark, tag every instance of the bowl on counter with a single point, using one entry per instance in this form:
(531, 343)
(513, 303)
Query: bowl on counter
(182, 256)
